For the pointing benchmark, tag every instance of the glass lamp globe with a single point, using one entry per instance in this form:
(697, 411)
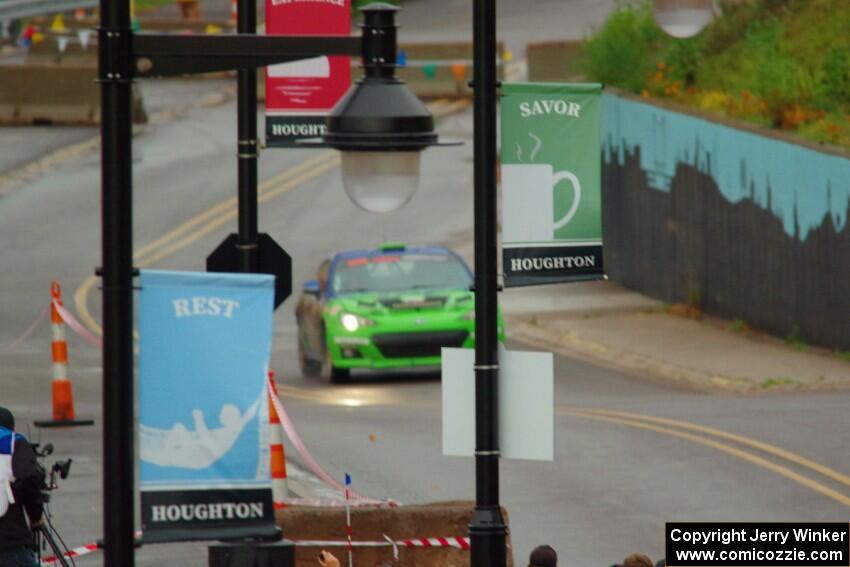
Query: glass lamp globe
(683, 18)
(380, 182)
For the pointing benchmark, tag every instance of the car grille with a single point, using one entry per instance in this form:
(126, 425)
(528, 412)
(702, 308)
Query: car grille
(427, 303)
(411, 345)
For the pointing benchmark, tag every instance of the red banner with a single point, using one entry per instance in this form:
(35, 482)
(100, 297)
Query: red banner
(299, 94)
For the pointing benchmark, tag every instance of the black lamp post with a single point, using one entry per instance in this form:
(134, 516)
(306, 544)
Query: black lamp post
(488, 531)
(391, 122)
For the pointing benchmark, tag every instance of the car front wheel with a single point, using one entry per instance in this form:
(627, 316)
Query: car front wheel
(333, 374)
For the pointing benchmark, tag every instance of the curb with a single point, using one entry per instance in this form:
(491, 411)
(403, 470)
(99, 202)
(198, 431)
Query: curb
(645, 367)
(641, 366)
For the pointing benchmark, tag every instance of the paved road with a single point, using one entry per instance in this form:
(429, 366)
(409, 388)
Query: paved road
(617, 476)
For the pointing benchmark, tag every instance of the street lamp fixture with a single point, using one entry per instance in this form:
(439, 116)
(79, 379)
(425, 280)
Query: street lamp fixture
(683, 18)
(380, 126)
(380, 182)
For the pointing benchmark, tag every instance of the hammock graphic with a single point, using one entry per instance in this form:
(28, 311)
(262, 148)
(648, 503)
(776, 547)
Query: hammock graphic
(199, 449)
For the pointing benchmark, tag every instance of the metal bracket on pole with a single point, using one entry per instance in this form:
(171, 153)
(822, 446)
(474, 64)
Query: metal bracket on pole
(248, 153)
(98, 271)
(115, 65)
(471, 84)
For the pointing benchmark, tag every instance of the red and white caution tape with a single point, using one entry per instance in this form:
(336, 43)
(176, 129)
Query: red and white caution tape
(458, 542)
(434, 542)
(76, 326)
(328, 503)
(437, 542)
(13, 346)
(76, 552)
(69, 320)
(312, 464)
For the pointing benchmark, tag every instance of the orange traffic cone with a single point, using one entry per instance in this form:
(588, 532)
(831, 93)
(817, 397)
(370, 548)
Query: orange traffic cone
(63, 396)
(280, 490)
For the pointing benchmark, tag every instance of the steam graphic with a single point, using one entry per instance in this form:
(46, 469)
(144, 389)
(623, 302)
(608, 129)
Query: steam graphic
(538, 143)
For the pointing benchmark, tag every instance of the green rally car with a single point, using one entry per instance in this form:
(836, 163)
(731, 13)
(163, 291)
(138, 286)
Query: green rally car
(392, 307)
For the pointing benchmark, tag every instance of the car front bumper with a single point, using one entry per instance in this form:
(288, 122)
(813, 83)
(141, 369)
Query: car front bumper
(378, 349)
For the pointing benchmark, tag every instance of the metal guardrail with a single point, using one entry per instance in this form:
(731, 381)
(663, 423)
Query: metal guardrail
(17, 9)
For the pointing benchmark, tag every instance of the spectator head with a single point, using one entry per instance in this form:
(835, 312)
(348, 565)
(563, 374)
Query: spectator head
(543, 556)
(637, 560)
(7, 420)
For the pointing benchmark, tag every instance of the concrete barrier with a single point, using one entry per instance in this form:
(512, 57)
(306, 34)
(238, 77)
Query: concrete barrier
(442, 519)
(554, 61)
(47, 52)
(54, 94)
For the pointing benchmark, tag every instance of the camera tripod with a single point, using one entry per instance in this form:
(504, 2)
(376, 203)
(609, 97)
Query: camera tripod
(44, 533)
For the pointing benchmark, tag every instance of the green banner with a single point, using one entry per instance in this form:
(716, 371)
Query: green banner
(551, 194)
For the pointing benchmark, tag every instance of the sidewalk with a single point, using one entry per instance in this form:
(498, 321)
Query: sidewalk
(606, 324)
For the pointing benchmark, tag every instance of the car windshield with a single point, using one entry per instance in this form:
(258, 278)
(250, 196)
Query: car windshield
(398, 272)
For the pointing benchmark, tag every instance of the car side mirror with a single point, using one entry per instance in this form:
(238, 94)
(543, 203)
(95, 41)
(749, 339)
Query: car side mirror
(311, 287)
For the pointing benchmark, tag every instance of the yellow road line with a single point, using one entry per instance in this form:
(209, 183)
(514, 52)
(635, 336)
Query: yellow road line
(224, 206)
(303, 394)
(740, 453)
(212, 223)
(767, 448)
(653, 423)
(346, 397)
(231, 213)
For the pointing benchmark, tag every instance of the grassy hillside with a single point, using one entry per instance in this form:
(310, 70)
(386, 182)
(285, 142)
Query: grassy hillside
(779, 63)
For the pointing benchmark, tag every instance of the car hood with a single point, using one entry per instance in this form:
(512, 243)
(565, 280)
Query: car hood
(381, 303)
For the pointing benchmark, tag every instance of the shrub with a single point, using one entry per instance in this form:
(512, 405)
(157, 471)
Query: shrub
(835, 78)
(779, 63)
(780, 79)
(621, 52)
(683, 58)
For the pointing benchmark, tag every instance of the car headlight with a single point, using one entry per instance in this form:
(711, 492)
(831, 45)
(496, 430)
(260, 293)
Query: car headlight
(351, 322)
(469, 315)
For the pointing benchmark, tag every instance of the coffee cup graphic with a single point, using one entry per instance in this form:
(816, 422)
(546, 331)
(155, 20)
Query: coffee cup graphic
(528, 202)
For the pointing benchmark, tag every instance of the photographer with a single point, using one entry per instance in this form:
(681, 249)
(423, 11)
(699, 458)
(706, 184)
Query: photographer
(21, 505)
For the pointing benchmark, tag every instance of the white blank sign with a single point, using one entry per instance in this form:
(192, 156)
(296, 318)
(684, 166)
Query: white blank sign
(315, 67)
(526, 404)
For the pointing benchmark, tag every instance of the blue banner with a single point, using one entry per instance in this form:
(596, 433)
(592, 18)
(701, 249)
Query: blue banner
(204, 347)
